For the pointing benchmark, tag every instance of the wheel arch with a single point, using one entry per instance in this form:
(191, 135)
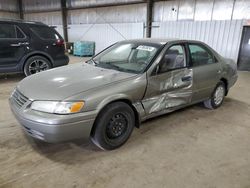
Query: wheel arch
(36, 53)
(125, 100)
(225, 81)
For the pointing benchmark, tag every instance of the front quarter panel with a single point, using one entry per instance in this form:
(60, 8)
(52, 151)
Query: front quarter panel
(131, 89)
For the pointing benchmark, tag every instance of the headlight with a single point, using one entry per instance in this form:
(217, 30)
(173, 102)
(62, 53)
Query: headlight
(57, 107)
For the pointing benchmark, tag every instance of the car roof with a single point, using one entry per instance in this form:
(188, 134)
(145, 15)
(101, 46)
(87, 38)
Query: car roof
(161, 41)
(20, 21)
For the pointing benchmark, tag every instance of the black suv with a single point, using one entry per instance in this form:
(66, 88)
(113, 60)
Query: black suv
(30, 47)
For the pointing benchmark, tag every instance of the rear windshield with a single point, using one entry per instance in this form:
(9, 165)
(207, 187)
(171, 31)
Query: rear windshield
(45, 32)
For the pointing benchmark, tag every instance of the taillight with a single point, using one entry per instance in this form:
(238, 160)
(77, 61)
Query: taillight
(60, 42)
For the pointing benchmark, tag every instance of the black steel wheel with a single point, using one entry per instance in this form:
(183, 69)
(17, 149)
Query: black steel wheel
(113, 126)
(117, 126)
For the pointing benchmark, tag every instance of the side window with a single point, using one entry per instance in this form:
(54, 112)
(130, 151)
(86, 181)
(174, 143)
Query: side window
(7, 31)
(174, 58)
(200, 55)
(45, 32)
(19, 33)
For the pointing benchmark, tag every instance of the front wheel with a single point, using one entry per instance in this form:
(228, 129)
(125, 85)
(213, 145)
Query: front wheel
(113, 126)
(36, 64)
(217, 97)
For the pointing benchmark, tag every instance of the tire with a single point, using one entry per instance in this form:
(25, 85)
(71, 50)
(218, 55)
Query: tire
(36, 64)
(216, 99)
(113, 126)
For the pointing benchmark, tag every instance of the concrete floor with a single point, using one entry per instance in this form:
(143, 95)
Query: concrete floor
(191, 148)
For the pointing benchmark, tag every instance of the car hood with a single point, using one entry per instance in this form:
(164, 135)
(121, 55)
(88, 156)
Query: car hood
(63, 82)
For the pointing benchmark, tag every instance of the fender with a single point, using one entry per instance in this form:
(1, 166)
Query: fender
(111, 99)
(33, 53)
(136, 106)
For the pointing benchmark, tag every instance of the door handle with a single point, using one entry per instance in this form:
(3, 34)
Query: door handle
(24, 43)
(16, 45)
(186, 78)
(19, 44)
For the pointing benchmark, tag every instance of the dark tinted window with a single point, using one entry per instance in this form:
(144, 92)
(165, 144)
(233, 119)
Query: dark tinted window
(19, 33)
(174, 58)
(45, 32)
(7, 31)
(200, 55)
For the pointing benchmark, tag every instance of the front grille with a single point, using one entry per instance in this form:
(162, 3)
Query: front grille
(19, 98)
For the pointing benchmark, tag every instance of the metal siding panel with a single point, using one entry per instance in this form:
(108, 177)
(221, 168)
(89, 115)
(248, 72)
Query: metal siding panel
(193, 31)
(9, 15)
(38, 5)
(223, 36)
(80, 3)
(242, 9)
(220, 36)
(165, 11)
(216, 35)
(105, 34)
(203, 30)
(223, 10)
(10, 5)
(119, 14)
(186, 10)
(239, 29)
(203, 10)
(49, 18)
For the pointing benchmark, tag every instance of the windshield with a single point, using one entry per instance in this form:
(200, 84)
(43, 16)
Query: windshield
(126, 57)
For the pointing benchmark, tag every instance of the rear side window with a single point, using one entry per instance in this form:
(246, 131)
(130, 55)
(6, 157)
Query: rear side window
(7, 31)
(19, 33)
(45, 32)
(10, 31)
(200, 55)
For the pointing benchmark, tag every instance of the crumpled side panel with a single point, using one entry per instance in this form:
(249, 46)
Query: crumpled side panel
(174, 92)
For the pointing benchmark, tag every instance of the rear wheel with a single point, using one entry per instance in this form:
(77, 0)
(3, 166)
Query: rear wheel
(217, 97)
(113, 126)
(36, 64)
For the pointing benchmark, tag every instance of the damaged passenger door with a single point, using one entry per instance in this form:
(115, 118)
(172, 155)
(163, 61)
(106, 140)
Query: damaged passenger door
(170, 85)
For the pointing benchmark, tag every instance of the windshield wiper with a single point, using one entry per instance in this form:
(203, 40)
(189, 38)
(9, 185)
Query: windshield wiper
(120, 68)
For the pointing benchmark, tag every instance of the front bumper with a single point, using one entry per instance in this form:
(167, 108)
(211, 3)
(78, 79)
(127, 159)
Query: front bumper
(51, 127)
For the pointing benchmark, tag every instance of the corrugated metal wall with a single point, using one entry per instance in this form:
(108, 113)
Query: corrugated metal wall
(201, 10)
(10, 5)
(116, 14)
(80, 3)
(9, 15)
(223, 36)
(41, 5)
(163, 11)
(104, 34)
(10, 8)
(50, 18)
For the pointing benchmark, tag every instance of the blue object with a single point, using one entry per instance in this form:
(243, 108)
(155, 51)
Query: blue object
(84, 48)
